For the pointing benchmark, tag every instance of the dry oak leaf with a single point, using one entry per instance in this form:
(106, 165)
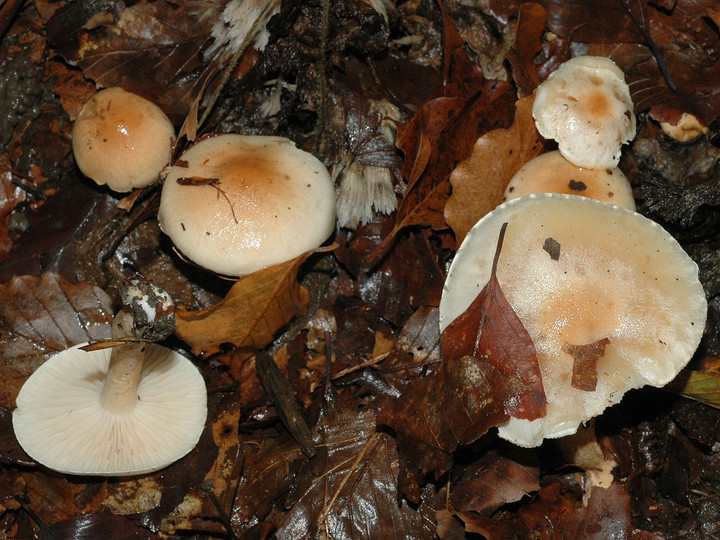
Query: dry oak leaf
(255, 308)
(43, 316)
(479, 182)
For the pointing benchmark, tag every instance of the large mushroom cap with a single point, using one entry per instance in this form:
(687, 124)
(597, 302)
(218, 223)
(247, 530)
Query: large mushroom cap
(237, 203)
(122, 140)
(613, 275)
(585, 106)
(59, 420)
(552, 173)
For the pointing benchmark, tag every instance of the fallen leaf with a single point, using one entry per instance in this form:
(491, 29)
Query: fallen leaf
(491, 331)
(151, 49)
(493, 481)
(255, 308)
(43, 316)
(526, 46)
(702, 386)
(351, 489)
(479, 182)
(585, 358)
(442, 133)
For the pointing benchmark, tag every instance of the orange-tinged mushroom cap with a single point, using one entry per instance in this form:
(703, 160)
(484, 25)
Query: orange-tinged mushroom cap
(237, 203)
(122, 140)
(607, 296)
(552, 173)
(585, 106)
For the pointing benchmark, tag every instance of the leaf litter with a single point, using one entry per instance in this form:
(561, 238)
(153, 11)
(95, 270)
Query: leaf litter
(354, 331)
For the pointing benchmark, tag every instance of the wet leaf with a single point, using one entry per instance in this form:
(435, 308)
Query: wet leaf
(257, 306)
(43, 316)
(494, 481)
(490, 331)
(152, 49)
(585, 358)
(489, 372)
(351, 491)
(479, 182)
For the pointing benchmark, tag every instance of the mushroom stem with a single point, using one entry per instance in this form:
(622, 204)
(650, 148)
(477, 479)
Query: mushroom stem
(119, 392)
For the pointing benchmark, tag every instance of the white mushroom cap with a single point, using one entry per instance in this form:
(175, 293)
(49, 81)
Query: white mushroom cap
(618, 276)
(552, 173)
(59, 420)
(585, 106)
(254, 201)
(122, 140)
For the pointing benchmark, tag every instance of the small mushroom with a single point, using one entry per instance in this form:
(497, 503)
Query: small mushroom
(585, 106)
(687, 128)
(235, 204)
(552, 173)
(128, 410)
(122, 140)
(615, 304)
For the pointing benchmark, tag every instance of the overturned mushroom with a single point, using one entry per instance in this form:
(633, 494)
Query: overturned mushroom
(552, 173)
(585, 106)
(128, 410)
(122, 140)
(237, 203)
(610, 299)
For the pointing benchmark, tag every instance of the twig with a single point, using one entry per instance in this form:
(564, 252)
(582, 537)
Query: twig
(283, 397)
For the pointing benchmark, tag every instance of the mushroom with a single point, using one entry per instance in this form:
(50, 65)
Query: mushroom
(609, 298)
(122, 140)
(585, 106)
(123, 411)
(687, 128)
(235, 204)
(552, 173)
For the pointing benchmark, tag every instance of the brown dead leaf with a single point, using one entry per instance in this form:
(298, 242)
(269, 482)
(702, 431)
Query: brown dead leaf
(70, 86)
(152, 49)
(42, 316)
(585, 358)
(257, 306)
(350, 491)
(479, 182)
(494, 480)
(442, 133)
(558, 512)
(490, 331)
(526, 45)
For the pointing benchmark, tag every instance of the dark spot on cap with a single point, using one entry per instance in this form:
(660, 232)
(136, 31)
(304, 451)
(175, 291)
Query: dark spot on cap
(577, 186)
(552, 247)
(182, 226)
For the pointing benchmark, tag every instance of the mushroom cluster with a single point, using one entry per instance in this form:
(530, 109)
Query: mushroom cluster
(585, 106)
(609, 298)
(234, 204)
(122, 140)
(123, 411)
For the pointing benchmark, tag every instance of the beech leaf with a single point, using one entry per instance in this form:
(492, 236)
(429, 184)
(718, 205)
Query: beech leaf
(479, 182)
(489, 372)
(254, 310)
(491, 331)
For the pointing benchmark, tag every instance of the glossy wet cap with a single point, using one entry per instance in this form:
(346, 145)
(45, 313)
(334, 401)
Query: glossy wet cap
(237, 203)
(122, 140)
(581, 274)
